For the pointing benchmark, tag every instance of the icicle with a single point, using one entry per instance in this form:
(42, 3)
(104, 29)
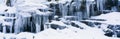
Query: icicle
(79, 16)
(71, 8)
(4, 29)
(60, 7)
(88, 9)
(18, 23)
(45, 18)
(101, 5)
(63, 9)
(22, 22)
(92, 9)
(98, 7)
(38, 20)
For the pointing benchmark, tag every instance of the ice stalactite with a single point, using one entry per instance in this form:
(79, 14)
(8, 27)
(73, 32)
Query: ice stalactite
(92, 9)
(71, 8)
(87, 9)
(77, 4)
(100, 5)
(79, 16)
(88, 3)
(4, 29)
(38, 20)
(22, 22)
(45, 20)
(63, 9)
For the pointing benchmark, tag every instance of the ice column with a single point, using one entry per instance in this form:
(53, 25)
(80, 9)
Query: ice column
(23, 22)
(88, 9)
(38, 21)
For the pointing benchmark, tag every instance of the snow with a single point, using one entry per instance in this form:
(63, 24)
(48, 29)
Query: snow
(58, 23)
(81, 24)
(3, 8)
(111, 18)
(10, 36)
(2, 18)
(11, 10)
(69, 33)
(1, 35)
(47, 13)
(26, 6)
(25, 35)
(7, 24)
(25, 14)
(41, 6)
(64, 1)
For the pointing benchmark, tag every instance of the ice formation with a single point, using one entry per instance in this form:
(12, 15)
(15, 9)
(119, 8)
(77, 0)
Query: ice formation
(59, 19)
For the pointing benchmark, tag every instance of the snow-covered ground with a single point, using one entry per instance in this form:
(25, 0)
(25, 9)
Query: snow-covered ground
(68, 33)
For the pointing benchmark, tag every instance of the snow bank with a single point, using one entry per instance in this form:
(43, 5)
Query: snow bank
(25, 35)
(9, 36)
(111, 18)
(69, 33)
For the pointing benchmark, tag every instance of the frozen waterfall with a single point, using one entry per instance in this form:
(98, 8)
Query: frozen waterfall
(59, 19)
